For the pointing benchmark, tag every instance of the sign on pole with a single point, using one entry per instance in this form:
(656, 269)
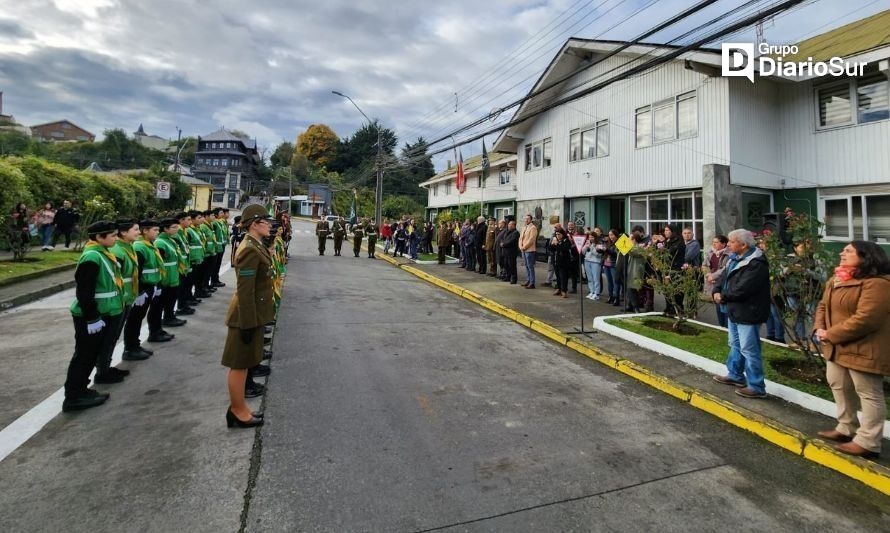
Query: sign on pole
(162, 190)
(579, 241)
(624, 244)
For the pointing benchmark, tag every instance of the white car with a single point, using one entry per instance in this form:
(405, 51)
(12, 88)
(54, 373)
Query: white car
(331, 219)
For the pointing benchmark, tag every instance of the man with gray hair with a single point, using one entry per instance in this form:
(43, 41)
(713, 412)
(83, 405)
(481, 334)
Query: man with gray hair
(742, 291)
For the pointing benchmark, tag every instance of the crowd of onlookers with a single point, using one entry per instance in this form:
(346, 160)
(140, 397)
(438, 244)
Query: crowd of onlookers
(47, 224)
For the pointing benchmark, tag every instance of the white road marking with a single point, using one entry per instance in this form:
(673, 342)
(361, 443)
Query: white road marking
(27, 425)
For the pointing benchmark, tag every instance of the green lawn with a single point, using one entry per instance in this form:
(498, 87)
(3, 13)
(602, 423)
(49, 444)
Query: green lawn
(711, 343)
(36, 261)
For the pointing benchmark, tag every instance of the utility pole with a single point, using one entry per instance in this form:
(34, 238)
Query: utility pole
(378, 196)
(179, 148)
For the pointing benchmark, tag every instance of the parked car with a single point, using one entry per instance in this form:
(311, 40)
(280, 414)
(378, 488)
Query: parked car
(331, 219)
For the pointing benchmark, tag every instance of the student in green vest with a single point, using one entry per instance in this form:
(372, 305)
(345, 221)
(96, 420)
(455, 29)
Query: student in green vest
(184, 294)
(127, 233)
(213, 249)
(97, 307)
(170, 281)
(149, 268)
(197, 255)
(221, 232)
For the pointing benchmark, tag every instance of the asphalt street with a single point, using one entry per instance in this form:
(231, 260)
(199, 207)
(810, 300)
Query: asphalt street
(394, 406)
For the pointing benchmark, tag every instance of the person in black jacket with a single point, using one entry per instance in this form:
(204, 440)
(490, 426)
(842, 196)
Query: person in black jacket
(479, 245)
(743, 292)
(509, 251)
(677, 248)
(65, 220)
(561, 248)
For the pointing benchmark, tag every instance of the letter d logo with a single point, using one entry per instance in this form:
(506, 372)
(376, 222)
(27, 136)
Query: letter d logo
(738, 60)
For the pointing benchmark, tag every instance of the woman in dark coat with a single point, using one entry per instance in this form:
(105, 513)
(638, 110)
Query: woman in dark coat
(561, 248)
(677, 248)
(251, 308)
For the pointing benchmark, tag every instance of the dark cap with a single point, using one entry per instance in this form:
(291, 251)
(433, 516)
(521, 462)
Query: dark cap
(253, 212)
(167, 222)
(102, 226)
(125, 224)
(148, 223)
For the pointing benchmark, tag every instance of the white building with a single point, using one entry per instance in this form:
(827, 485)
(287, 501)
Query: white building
(681, 144)
(496, 194)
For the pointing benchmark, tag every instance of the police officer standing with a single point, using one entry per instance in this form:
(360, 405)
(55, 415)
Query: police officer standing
(322, 228)
(490, 233)
(371, 233)
(339, 234)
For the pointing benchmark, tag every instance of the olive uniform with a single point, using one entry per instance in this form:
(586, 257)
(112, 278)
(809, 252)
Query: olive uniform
(322, 228)
(489, 248)
(357, 234)
(252, 305)
(339, 234)
(371, 233)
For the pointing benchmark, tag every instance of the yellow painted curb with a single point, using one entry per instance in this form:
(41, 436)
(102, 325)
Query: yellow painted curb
(871, 474)
(779, 434)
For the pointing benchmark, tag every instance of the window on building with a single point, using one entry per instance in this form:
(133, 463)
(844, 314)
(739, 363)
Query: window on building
(857, 217)
(82, 138)
(436, 189)
(853, 101)
(479, 181)
(644, 127)
(666, 120)
(218, 181)
(655, 211)
(224, 162)
(216, 162)
(57, 134)
(505, 176)
(233, 180)
(592, 141)
(539, 154)
(447, 186)
(218, 197)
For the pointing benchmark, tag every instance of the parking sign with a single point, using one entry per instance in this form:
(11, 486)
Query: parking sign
(162, 190)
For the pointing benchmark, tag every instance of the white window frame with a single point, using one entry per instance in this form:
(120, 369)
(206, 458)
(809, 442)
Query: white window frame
(697, 217)
(435, 189)
(595, 129)
(853, 90)
(538, 147)
(650, 109)
(850, 198)
(504, 176)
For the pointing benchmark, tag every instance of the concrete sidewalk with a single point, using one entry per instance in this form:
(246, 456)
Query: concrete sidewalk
(783, 423)
(27, 291)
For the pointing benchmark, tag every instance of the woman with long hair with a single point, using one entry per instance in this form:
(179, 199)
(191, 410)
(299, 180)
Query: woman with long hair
(853, 324)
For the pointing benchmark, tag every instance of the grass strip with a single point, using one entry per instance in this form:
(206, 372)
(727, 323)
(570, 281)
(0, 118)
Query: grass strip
(36, 262)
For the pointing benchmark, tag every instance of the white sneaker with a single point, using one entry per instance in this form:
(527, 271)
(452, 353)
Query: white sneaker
(596, 296)
(589, 296)
(51, 247)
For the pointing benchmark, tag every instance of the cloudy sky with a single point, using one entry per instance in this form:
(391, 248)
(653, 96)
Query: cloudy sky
(268, 67)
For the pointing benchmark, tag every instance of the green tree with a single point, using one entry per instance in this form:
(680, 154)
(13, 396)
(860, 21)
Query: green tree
(396, 206)
(282, 155)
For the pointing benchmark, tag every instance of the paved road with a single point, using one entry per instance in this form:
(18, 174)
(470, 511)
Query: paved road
(394, 406)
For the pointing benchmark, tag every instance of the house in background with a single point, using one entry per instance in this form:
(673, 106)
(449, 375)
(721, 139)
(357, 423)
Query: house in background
(681, 144)
(8, 122)
(496, 194)
(150, 141)
(227, 162)
(61, 131)
(201, 192)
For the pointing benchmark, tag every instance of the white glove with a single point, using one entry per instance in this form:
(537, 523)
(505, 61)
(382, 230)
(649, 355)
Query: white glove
(95, 327)
(157, 292)
(140, 300)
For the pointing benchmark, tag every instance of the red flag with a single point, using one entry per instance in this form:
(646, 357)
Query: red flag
(461, 179)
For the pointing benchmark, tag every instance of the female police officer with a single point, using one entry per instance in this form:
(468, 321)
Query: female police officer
(249, 311)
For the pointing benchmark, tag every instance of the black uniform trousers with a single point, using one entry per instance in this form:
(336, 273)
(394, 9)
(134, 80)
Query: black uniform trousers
(153, 309)
(168, 301)
(185, 289)
(214, 276)
(115, 325)
(207, 271)
(199, 276)
(87, 350)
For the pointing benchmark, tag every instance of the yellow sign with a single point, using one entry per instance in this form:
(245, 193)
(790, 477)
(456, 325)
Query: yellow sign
(624, 244)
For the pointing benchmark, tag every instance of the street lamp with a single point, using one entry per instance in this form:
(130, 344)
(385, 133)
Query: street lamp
(378, 194)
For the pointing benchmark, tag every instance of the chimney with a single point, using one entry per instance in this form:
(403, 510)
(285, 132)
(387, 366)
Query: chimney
(449, 161)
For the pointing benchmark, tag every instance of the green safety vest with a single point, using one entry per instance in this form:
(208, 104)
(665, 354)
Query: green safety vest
(171, 261)
(196, 247)
(128, 263)
(109, 296)
(222, 235)
(185, 265)
(209, 239)
(152, 262)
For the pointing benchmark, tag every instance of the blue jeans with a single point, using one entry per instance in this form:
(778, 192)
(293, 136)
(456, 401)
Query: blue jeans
(412, 246)
(774, 326)
(529, 258)
(610, 282)
(46, 234)
(744, 360)
(594, 277)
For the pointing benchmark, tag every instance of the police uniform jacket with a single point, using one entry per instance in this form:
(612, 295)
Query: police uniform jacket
(252, 305)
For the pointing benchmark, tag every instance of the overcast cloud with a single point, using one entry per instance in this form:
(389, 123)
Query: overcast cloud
(268, 67)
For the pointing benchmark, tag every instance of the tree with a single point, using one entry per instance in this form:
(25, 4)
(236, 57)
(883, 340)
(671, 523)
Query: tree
(282, 155)
(674, 285)
(396, 206)
(319, 144)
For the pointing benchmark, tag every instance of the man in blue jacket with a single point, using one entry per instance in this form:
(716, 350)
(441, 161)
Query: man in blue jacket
(742, 291)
